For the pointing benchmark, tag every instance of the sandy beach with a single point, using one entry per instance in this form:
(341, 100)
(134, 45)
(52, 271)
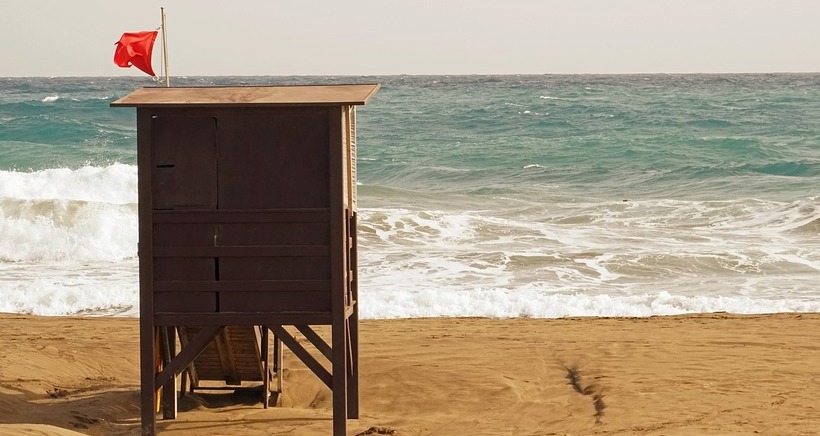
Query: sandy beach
(681, 375)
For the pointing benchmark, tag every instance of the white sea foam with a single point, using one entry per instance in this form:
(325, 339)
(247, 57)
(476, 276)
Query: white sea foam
(68, 241)
(68, 245)
(66, 230)
(68, 288)
(51, 98)
(616, 259)
(87, 214)
(116, 184)
(534, 303)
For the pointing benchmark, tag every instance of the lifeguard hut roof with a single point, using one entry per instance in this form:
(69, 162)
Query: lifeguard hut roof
(238, 96)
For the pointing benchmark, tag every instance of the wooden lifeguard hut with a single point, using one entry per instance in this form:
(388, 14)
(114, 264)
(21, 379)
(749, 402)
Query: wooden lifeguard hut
(247, 224)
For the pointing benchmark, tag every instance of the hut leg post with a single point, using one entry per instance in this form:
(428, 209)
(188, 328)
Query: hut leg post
(265, 366)
(277, 362)
(169, 389)
(148, 392)
(353, 370)
(339, 381)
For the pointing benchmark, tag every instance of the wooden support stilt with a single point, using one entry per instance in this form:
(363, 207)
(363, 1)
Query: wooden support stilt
(352, 322)
(169, 389)
(277, 362)
(339, 386)
(265, 366)
(353, 370)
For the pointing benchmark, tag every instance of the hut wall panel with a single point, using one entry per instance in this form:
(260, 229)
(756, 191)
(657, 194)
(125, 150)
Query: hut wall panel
(184, 162)
(273, 234)
(274, 160)
(182, 302)
(274, 268)
(183, 268)
(256, 302)
(188, 234)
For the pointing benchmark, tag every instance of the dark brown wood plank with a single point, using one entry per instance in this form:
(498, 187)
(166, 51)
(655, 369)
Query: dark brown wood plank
(185, 302)
(208, 319)
(176, 268)
(273, 233)
(274, 268)
(283, 215)
(242, 251)
(189, 234)
(242, 286)
(256, 302)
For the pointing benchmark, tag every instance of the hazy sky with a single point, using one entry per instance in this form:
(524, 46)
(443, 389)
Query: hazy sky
(364, 37)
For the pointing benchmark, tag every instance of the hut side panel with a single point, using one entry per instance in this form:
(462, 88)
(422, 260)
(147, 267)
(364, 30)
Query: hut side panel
(274, 159)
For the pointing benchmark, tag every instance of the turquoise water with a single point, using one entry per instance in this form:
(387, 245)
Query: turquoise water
(537, 196)
(691, 137)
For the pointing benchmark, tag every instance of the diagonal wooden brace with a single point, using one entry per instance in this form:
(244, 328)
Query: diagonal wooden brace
(316, 340)
(303, 355)
(187, 354)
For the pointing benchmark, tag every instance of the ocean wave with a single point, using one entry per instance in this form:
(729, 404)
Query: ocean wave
(70, 288)
(500, 303)
(811, 227)
(710, 123)
(787, 169)
(115, 184)
(64, 214)
(117, 294)
(732, 248)
(48, 230)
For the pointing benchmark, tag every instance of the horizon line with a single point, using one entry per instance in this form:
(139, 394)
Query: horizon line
(423, 74)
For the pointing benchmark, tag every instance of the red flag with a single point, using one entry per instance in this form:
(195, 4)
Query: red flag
(135, 48)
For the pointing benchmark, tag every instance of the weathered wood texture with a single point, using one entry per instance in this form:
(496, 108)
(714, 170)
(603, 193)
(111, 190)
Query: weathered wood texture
(337, 95)
(247, 209)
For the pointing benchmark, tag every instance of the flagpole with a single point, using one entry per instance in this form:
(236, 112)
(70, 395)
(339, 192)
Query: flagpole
(165, 49)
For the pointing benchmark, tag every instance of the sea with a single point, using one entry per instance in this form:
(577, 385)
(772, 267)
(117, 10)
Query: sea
(536, 196)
